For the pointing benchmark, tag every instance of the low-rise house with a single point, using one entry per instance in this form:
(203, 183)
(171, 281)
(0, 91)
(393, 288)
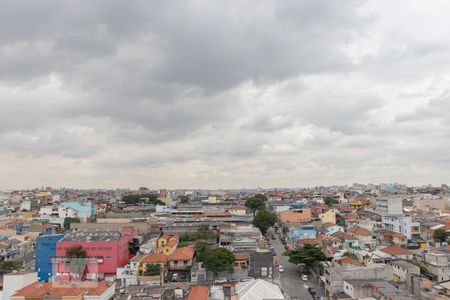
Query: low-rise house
(437, 264)
(335, 275)
(295, 218)
(328, 216)
(393, 238)
(330, 228)
(261, 265)
(167, 244)
(149, 266)
(241, 260)
(402, 268)
(347, 240)
(181, 259)
(364, 236)
(351, 219)
(398, 253)
(302, 232)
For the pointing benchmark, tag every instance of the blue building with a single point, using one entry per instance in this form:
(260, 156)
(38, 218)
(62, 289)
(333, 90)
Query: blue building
(303, 232)
(45, 250)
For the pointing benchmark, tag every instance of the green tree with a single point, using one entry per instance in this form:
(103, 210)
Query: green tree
(152, 269)
(9, 266)
(218, 260)
(255, 204)
(69, 220)
(149, 199)
(201, 246)
(76, 252)
(264, 219)
(440, 235)
(349, 254)
(309, 255)
(330, 201)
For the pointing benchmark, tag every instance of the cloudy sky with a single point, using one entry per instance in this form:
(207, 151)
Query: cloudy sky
(223, 94)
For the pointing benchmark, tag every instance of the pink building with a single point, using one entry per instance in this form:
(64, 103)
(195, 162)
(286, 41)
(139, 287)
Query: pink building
(106, 250)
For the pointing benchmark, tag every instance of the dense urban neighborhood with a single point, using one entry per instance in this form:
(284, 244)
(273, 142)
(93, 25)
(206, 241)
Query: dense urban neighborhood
(386, 241)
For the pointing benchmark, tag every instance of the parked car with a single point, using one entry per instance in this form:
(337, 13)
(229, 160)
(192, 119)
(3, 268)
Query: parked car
(174, 277)
(304, 277)
(271, 247)
(220, 280)
(312, 291)
(246, 279)
(280, 269)
(273, 236)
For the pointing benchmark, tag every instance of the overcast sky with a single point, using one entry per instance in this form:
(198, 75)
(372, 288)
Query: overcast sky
(223, 94)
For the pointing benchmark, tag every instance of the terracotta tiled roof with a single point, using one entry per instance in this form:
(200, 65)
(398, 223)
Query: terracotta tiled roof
(344, 208)
(328, 225)
(345, 236)
(396, 251)
(386, 232)
(241, 256)
(183, 253)
(172, 242)
(349, 261)
(38, 290)
(358, 231)
(198, 293)
(351, 217)
(295, 217)
(155, 258)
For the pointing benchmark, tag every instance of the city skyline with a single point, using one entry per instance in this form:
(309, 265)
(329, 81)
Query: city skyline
(215, 95)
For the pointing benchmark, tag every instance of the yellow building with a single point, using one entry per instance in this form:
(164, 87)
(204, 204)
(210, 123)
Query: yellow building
(167, 244)
(328, 217)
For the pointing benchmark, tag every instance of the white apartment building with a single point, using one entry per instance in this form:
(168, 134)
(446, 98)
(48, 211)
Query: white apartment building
(389, 206)
(402, 224)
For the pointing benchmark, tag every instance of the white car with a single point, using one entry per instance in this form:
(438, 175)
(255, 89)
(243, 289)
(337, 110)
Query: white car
(220, 280)
(304, 277)
(280, 269)
(271, 247)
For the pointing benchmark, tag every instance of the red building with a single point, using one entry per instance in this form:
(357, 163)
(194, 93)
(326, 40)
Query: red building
(106, 251)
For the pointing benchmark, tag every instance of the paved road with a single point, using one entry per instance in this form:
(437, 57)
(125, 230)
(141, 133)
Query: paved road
(290, 280)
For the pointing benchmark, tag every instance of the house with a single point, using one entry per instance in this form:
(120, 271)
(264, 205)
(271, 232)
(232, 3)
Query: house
(402, 268)
(399, 253)
(328, 216)
(335, 275)
(351, 219)
(393, 238)
(181, 259)
(167, 244)
(364, 236)
(347, 240)
(331, 228)
(13, 282)
(238, 210)
(241, 260)
(302, 232)
(150, 260)
(402, 224)
(295, 217)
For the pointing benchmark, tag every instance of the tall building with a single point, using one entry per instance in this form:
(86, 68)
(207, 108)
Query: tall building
(45, 250)
(389, 206)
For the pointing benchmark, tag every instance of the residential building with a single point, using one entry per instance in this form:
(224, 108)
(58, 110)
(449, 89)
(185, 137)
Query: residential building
(398, 253)
(389, 206)
(364, 236)
(167, 244)
(402, 268)
(328, 216)
(181, 259)
(402, 224)
(302, 232)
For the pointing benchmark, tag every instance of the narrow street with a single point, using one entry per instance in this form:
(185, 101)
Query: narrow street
(290, 280)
